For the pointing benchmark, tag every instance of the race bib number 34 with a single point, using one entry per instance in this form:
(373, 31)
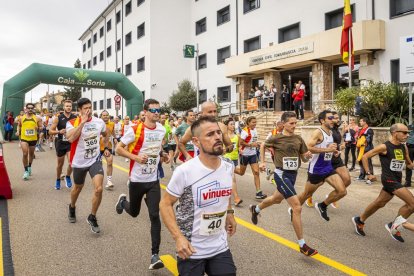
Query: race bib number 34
(397, 165)
(290, 163)
(212, 224)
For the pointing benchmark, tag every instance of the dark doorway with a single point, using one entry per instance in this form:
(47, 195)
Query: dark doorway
(294, 76)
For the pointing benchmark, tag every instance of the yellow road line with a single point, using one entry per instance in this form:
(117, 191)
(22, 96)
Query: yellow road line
(170, 263)
(1, 249)
(325, 260)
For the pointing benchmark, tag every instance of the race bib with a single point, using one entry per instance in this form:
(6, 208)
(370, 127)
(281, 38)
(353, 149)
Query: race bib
(397, 165)
(91, 147)
(290, 163)
(328, 156)
(151, 166)
(30, 132)
(212, 224)
(64, 139)
(348, 137)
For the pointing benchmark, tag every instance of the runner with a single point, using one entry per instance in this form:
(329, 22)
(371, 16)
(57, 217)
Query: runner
(117, 131)
(393, 155)
(337, 163)
(200, 226)
(62, 144)
(172, 145)
(278, 128)
(126, 124)
(320, 167)
(249, 155)
(109, 159)
(179, 133)
(28, 128)
(144, 142)
(291, 149)
(84, 132)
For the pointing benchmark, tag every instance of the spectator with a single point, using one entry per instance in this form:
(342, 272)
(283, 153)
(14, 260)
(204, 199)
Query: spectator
(266, 97)
(251, 93)
(303, 87)
(272, 95)
(9, 126)
(285, 98)
(410, 146)
(297, 96)
(364, 144)
(258, 95)
(350, 137)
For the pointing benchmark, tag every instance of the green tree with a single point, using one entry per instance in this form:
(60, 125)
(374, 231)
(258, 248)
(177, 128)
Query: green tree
(185, 97)
(165, 108)
(73, 93)
(345, 99)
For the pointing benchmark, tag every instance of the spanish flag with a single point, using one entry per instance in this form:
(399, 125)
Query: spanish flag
(347, 44)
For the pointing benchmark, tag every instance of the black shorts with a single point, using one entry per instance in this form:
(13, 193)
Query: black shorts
(319, 178)
(31, 143)
(285, 182)
(172, 147)
(235, 162)
(79, 174)
(391, 186)
(62, 148)
(221, 264)
(337, 162)
(246, 160)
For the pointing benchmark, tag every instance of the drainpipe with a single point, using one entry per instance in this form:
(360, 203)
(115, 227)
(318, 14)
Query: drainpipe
(373, 9)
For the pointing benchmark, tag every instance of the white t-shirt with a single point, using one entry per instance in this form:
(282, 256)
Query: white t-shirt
(117, 129)
(258, 93)
(171, 140)
(86, 150)
(151, 146)
(249, 151)
(203, 200)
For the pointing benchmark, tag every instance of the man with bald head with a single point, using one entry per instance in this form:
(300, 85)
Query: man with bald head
(393, 155)
(207, 109)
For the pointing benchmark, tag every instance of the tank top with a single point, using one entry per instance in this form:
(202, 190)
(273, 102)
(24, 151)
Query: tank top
(234, 155)
(110, 126)
(321, 163)
(62, 120)
(392, 163)
(28, 131)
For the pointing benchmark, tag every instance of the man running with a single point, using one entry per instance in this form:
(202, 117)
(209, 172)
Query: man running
(203, 186)
(393, 155)
(109, 159)
(144, 142)
(291, 149)
(28, 129)
(62, 144)
(320, 169)
(179, 133)
(83, 133)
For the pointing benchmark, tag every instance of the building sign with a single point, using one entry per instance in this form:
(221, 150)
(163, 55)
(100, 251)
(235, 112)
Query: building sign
(296, 51)
(407, 59)
(81, 79)
(252, 104)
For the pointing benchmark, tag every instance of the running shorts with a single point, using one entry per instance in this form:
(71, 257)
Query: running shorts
(285, 182)
(248, 160)
(62, 148)
(79, 174)
(319, 178)
(391, 186)
(31, 143)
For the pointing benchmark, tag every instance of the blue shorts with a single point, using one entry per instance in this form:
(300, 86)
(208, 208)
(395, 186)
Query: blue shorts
(285, 182)
(246, 160)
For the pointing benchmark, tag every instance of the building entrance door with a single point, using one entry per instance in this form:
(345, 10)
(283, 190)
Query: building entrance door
(291, 77)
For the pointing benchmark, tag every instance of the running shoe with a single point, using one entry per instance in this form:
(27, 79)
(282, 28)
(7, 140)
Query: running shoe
(26, 175)
(254, 218)
(109, 185)
(29, 169)
(333, 204)
(127, 160)
(50, 145)
(119, 207)
(72, 214)
(93, 223)
(322, 212)
(37, 148)
(309, 202)
(360, 178)
(273, 182)
(260, 195)
(351, 169)
(359, 226)
(307, 251)
(237, 203)
(397, 235)
(156, 262)
(57, 184)
(68, 182)
(268, 173)
(290, 211)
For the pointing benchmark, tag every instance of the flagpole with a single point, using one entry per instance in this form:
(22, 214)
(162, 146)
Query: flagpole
(349, 66)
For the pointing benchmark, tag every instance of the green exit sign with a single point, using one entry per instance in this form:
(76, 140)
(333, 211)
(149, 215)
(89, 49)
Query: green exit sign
(189, 51)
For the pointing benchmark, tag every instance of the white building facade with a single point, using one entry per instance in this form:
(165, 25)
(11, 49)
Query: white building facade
(243, 43)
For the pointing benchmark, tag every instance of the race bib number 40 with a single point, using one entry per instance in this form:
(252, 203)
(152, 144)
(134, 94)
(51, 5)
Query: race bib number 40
(212, 224)
(290, 163)
(397, 165)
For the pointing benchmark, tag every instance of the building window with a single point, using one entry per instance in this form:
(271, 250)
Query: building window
(249, 5)
(202, 61)
(141, 30)
(89, 43)
(401, 7)
(139, 2)
(101, 56)
(252, 44)
(89, 64)
(84, 47)
(108, 25)
(341, 73)
(223, 15)
(84, 66)
(201, 26)
(95, 37)
(108, 103)
(223, 94)
(101, 106)
(95, 60)
(128, 70)
(118, 17)
(143, 95)
(94, 104)
(395, 70)
(128, 38)
(118, 70)
(222, 54)
(141, 64)
(202, 96)
(128, 8)
(109, 51)
(118, 45)
(101, 32)
(334, 18)
(289, 32)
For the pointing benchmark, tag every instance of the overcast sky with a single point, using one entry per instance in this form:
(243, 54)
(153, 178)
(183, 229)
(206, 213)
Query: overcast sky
(44, 31)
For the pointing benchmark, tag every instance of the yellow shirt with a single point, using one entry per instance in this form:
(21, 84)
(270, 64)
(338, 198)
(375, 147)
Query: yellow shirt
(234, 155)
(110, 126)
(28, 130)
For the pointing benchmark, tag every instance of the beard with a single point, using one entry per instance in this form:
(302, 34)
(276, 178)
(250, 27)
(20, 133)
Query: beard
(216, 150)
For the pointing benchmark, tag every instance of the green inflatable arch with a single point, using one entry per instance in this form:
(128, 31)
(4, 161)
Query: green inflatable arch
(15, 88)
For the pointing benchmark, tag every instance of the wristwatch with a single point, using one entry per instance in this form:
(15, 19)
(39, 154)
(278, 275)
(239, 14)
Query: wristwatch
(230, 211)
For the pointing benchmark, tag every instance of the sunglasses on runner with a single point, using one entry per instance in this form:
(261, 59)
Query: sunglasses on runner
(403, 132)
(330, 117)
(154, 110)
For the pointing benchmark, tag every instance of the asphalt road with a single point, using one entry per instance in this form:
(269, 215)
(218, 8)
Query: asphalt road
(43, 242)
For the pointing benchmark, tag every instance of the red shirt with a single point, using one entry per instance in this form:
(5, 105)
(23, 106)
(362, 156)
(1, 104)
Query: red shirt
(298, 96)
